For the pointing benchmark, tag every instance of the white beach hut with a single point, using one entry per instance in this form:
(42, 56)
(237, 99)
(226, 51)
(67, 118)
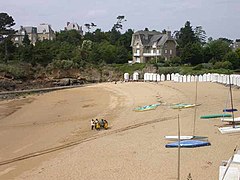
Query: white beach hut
(208, 77)
(172, 77)
(162, 77)
(158, 78)
(238, 81)
(234, 80)
(225, 79)
(204, 79)
(126, 77)
(188, 78)
(135, 76)
(145, 77)
(154, 77)
(192, 78)
(168, 77)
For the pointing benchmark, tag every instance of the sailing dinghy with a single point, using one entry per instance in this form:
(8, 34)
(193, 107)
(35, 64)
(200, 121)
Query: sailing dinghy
(188, 141)
(233, 128)
(188, 144)
(237, 120)
(182, 138)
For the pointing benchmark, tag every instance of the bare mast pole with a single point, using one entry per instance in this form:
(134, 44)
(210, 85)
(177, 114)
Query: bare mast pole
(195, 109)
(178, 148)
(231, 96)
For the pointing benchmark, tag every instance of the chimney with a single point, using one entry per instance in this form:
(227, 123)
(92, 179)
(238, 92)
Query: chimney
(169, 33)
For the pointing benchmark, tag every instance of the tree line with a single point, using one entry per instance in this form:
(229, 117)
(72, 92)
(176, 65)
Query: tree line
(69, 46)
(194, 49)
(99, 47)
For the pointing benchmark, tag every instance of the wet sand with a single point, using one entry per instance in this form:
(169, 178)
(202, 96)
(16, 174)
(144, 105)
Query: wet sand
(134, 145)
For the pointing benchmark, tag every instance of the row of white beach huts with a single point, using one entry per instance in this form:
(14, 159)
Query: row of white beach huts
(154, 77)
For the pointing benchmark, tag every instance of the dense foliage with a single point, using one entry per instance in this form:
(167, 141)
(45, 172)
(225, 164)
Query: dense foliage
(70, 49)
(94, 48)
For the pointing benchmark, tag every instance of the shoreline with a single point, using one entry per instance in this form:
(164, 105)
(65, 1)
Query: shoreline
(134, 144)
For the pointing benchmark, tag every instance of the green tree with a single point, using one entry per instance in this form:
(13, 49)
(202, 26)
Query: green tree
(114, 36)
(207, 55)
(186, 35)
(125, 39)
(229, 41)
(218, 49)
(200, 34)
(44, 52)
(71, 36)
(6, 31)
(192, 54)
(26, 41)
(233, 58)
(108, 52)
(238, 52)
(120, 20)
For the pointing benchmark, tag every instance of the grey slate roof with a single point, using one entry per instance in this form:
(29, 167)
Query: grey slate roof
(75, 26)
(44, 28)
(30, 29)
(148, 38)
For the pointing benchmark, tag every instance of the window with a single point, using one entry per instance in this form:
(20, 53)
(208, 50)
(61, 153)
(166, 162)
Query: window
(170, 51)
(165, 51)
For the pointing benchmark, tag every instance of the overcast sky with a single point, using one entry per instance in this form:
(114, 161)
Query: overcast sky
(219, 18)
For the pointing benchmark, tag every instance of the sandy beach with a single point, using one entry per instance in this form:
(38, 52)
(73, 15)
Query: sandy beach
(132, 148)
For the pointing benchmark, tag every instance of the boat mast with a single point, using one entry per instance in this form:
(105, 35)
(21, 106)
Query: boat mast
(195, 109)
(230, 88)
(179, 147)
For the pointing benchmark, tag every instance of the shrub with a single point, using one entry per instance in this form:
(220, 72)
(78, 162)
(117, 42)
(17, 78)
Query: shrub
(64, 64)
(168, 70)
(223, 65)
(15, 71)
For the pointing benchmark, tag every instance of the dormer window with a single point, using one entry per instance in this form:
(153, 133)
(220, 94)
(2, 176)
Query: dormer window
(44, 31)
(154, 45)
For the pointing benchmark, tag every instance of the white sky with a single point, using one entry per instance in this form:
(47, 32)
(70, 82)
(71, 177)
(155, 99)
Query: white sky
(219, 18)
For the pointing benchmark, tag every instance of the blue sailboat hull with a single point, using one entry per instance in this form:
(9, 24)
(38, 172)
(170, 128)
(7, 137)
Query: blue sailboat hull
(188, 144)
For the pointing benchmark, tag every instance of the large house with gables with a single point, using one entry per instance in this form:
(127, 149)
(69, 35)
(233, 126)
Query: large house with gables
(41, 32)
(147, 45)
(27, 30)
(74, 26)
(45, 32)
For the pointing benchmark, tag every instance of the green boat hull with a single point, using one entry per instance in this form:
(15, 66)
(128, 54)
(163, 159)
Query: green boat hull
(215, 116)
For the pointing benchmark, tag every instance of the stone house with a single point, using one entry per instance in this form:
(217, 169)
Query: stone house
(29, 30)
(44, 31)
(147, 45)
(75, 26)
(236, 44)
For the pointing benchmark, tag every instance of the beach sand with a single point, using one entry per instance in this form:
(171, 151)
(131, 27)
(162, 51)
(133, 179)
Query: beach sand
(134, 145)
